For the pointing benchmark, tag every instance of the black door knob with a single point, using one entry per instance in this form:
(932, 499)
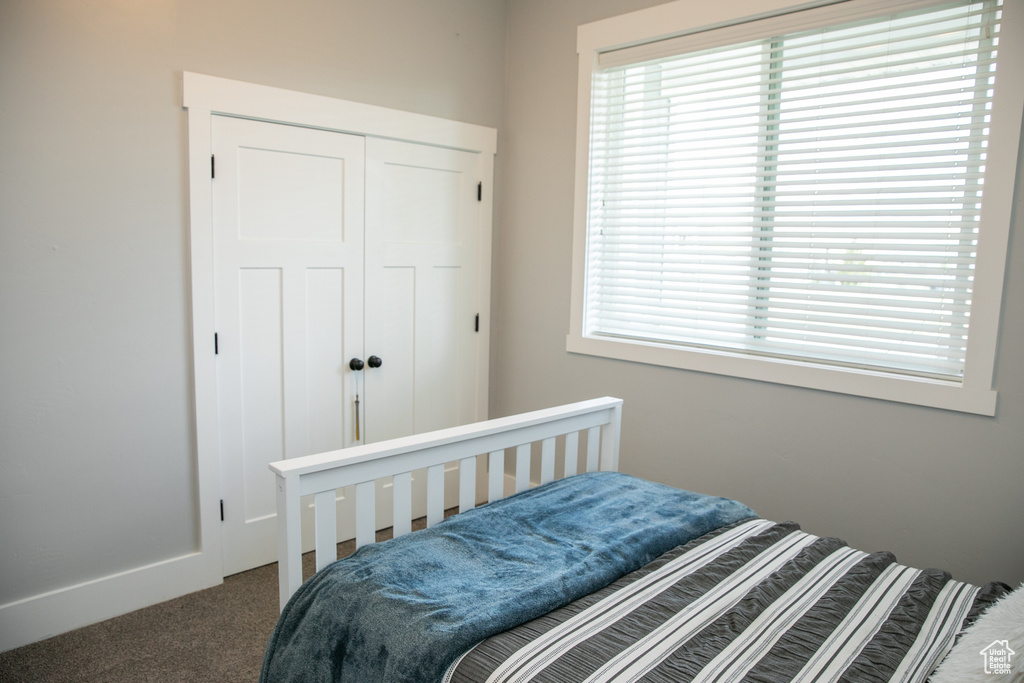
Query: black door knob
(356, 364)
(374, 361)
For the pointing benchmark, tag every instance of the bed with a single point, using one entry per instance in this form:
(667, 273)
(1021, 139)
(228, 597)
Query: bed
(590, 576)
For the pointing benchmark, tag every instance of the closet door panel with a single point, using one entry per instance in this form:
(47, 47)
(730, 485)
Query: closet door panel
(325, 360)
(422, 298)
(288, 291)
(422, 219)
(440, 380)
(390, 409)
(288, 196)
(261, 362)
(426, 202)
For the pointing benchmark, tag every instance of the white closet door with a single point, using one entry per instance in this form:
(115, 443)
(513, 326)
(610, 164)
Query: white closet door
(422, 294)
(288, 232)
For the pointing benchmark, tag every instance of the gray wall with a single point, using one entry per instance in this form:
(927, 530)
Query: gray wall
(96, 427)
(938, 488)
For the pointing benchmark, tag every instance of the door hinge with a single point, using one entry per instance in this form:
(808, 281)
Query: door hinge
(216, 344)
(222, 510)
(480, 191)
(213, 166)
(477, 326)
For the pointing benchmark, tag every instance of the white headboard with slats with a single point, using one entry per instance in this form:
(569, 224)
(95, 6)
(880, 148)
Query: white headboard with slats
(322, 474)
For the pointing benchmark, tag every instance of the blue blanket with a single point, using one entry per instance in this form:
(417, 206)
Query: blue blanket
(403, 610)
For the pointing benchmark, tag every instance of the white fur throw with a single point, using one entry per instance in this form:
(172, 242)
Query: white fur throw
(997, 633)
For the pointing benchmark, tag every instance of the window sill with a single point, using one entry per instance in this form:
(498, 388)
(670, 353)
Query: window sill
(915, 391)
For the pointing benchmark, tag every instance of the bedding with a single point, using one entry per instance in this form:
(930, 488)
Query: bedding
(753, 601)
(597, 577)
(1001, 627)
(404, 609)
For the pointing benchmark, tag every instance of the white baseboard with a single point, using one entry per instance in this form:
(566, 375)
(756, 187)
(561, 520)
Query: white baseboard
(48, 614)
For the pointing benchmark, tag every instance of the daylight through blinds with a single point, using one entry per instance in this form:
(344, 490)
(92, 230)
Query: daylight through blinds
(812, 196)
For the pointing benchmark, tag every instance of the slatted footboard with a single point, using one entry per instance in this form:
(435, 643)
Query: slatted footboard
(322, 474)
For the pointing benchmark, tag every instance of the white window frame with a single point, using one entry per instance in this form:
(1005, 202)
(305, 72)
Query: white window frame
(975, 394)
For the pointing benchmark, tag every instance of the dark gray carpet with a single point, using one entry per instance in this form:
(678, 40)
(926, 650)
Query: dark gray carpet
(216, 634)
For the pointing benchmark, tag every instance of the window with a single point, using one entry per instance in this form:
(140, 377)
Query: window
(801, 199)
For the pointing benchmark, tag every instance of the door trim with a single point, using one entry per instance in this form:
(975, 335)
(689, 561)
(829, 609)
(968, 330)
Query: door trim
(205, 96)
(248, 100)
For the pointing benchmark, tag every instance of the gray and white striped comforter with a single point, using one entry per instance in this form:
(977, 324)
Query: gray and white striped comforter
(754, 601)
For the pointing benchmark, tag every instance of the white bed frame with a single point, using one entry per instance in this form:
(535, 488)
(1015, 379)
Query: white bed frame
(360, 466)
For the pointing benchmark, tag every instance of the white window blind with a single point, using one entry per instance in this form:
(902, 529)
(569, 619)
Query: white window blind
(813, 195)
